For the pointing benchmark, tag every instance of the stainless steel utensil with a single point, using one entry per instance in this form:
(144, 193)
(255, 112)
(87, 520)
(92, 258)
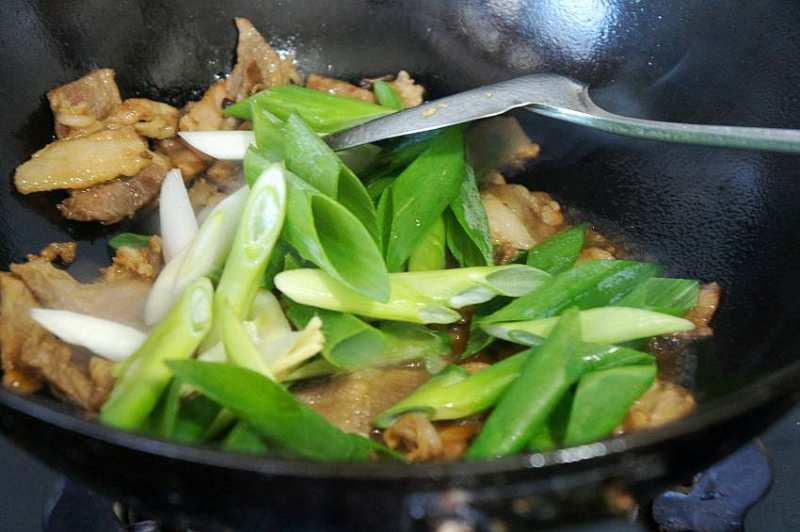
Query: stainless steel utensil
(565, 99)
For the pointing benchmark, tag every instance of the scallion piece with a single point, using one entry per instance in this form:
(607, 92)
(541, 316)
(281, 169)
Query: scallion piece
(429, 254)
(242, 439)
(422, 192)
(524, 408)
(317, 288)
(468, 233)
(145, 376)
(592, 284)
(386, 95)
(133, 240)
(604, 325)
(288, 426)
(670, 296)
(324, 112)
(558, 253)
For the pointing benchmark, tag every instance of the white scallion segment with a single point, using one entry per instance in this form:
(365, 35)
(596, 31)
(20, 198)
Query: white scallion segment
(204, 256)
(267, 317)
(225, 145)
(604, 325)
(294, 348)
(106, 338)
(178, 222)
(214, 239)
(316, 288)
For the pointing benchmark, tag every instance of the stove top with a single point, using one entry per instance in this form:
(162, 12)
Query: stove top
(34, 498)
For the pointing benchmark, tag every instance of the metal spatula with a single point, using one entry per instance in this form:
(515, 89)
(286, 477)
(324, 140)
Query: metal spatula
(562, 98)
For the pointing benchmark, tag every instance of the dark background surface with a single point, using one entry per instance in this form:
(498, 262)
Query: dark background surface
(26, 486)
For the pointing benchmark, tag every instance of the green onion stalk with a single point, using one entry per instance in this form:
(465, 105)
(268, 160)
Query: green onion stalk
(143, 376)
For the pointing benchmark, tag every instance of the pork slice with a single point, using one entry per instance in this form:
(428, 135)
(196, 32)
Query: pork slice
(203, 194)
(190, 162)
(81, 162)
(142, 263)
(32, 356)
(352, 401)
(121, 299)
(663, 403)
(410, 91)
(81, 105)
(258, 65)
(150, 119)
(206, 113)
(518, 218)
(120, 198)
(339, 88)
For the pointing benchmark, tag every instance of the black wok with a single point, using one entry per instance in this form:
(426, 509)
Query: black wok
(707, 213)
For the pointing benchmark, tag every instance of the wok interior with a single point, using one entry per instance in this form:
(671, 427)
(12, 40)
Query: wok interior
(707, 213)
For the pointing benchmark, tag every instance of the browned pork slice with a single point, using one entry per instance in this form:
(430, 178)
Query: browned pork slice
(410, 91)
(519, 219)
(423, 441)
(32, 356)
(339, 88)
(151, 119)
(258, 65)
(121, 299)
(142, 263)
(704, 310)
(203, 194)
(81, 162)
(351, 401)
(499, 145)
(81, 106)
(663, 403)
(119, 198)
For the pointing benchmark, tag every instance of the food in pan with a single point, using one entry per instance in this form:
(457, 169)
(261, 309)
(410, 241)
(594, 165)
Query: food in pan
(394, 302)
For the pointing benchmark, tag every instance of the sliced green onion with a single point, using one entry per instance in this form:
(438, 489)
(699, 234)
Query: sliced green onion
(143, 376)
(239, 349)
(261, 223)
(422, 192)
(602, 400)
(468, 235)
(559, 252)
(430, 251)
(592, 284)
(223, 145)
(525, 406)
(317, 288)
(455, 398)
(132, 240)
(386, 95)
(317, 367)
(324, 112)
(604, 325)
(670, 296)
(242, 439)
(267, 408)
(360, 158)
(196, 414)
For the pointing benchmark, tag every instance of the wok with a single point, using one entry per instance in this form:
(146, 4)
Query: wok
(712, 214)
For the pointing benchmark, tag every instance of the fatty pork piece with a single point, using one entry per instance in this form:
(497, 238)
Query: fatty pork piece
(81, 162)
(519, 218)
(119, 198)
(339, 88)
(31, 356)
(79, 107)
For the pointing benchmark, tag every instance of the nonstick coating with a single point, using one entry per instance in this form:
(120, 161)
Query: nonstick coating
(713, 214)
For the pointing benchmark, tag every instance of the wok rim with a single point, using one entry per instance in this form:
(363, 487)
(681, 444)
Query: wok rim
(769, 388)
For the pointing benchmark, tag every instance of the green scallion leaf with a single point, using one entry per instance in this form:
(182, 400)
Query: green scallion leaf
(558, 253)
(132, 240)
(670, 296)
(386, 95)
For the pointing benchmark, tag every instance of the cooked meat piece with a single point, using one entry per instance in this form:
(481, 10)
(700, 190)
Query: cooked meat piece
(120, 198)
(206, 113)
(151, 119)
(457, 435)
(80, 107)
(351, 401)
(16, 327)
(63, 251)
(119, 300)
(518, 218)
(190, 162)
(409, 91)
(227, 176)
(497, 144)
(415, 435)
(663, 403)
(258, 66)
(339, 88)
(594, 239)
(593, 253)
(135, 263)
(203, 194)
(32, 356)
(703, 311)
(83, 161)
